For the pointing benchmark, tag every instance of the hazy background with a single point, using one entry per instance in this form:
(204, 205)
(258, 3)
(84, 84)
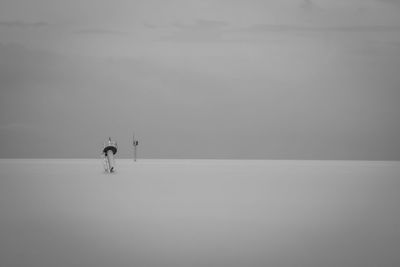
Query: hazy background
(289, 79)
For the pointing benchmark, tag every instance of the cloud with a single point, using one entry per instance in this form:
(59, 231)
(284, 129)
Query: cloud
(308, 5)
(397, 2)
(264, 28)
(22, 24)
(149, 25)
(201, 24)
(200, 31)
(99, 31)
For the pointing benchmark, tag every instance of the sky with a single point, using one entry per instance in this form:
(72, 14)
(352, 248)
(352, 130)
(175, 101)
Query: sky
(278, 79)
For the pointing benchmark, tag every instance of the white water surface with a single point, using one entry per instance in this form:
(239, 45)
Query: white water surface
(199, 213)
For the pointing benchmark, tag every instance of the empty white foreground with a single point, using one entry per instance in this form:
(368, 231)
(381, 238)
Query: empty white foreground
(199, 213)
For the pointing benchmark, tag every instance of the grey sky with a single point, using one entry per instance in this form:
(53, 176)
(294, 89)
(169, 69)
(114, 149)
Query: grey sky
(201, 79)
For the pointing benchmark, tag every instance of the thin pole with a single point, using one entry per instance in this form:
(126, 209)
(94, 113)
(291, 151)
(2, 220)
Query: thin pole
(134, 147)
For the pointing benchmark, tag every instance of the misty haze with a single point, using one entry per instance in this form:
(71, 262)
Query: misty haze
(201, 79)
(268, 133)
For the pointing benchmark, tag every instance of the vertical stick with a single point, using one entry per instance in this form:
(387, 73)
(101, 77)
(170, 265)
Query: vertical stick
(134, 148)
(134, 153)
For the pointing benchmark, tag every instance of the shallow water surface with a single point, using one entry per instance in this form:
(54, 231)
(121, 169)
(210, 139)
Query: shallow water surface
(199, 213)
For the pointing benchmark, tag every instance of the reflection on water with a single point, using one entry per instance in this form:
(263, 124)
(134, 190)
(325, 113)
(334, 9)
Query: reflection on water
(199, 213)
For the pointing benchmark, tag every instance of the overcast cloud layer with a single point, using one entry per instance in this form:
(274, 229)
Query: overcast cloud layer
(201, 79)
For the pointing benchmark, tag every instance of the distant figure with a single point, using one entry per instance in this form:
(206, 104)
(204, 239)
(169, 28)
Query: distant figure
(109, 150)
(135, 144)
